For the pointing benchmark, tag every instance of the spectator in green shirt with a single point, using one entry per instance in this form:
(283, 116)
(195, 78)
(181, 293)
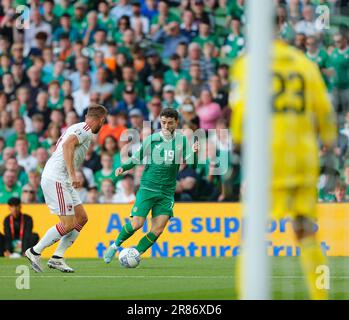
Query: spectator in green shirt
(57, 74)
(110, 146)
(205, 35)
(10, 187)
(235, 41)
(55, 99)
(5, 124)
(38, 122)
(169, 97)
(164, 17)
(107, 171)
(128, 43)
(53, 134)
(23, 97)
(5, 64)
(6, 153)
(237, 8)
(287, 32)
(104, 20)
(19, 127)
(175, 73)
(122, 25)
(321, 58)
(65, 27)
(79, 22)
(11, 164)
(129, 79)
(34, 181)
(63, 7)
(340, 63)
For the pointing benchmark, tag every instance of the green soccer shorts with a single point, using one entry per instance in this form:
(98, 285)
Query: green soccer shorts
(147, 200)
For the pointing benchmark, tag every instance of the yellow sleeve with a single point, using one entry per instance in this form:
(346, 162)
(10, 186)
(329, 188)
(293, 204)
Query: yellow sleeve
(325, 115)
(237, 101)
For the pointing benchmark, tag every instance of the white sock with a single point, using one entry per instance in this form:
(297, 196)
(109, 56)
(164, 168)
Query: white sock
(51, 236)
(66, 242)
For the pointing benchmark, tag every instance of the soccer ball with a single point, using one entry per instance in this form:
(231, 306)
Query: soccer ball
(129, 258)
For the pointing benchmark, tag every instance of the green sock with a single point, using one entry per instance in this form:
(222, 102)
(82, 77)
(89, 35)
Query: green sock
(146, 242)
(126, 232)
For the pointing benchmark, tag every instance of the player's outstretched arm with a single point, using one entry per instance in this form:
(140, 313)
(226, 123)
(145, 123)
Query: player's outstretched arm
(68, 154)
(136, 158)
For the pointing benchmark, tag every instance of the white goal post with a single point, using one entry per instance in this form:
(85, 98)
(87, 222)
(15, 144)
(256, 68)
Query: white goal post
(255, 273)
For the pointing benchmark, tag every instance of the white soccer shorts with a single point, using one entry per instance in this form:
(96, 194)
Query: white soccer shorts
(60, 197)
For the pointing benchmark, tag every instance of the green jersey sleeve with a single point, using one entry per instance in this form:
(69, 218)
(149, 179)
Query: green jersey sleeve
(138, 156)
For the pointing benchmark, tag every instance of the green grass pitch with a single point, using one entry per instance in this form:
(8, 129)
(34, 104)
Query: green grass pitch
(161, 278)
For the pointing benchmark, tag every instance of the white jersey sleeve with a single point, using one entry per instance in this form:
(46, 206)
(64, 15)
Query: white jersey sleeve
(55, 168)
(82, 134)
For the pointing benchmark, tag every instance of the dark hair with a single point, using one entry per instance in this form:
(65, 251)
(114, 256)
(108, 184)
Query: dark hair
(104, 150)
(14, 201)
(169, 113)
(65, 15)
(128, 65)
(69, 98)
(128, 22)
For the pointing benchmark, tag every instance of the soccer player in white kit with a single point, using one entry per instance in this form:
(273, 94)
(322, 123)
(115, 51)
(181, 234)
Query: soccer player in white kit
(58, 183)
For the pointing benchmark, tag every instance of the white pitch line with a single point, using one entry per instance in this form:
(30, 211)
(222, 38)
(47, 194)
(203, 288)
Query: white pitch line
(162, 277)
(125, 276)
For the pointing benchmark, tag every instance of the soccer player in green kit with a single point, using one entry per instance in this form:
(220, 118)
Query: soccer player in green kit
(158, 183)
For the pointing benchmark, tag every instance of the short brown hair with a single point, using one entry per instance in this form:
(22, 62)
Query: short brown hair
(340, 184)
(38, 117)
(96, 111)
(169, 113)
(54, 83)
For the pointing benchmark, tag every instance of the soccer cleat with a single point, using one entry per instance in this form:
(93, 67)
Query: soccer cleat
(59, 264)
(34, 260)
(110, 253)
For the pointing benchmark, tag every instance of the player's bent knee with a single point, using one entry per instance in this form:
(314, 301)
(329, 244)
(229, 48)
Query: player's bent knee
(68, 226)
(82, 220)
(137, 223)
(80, 215)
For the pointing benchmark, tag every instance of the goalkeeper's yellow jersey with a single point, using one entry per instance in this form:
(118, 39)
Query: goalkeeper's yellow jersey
(301, 113)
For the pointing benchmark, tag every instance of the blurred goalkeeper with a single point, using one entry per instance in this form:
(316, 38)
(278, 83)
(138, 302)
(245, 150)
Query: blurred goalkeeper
(301, 112)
